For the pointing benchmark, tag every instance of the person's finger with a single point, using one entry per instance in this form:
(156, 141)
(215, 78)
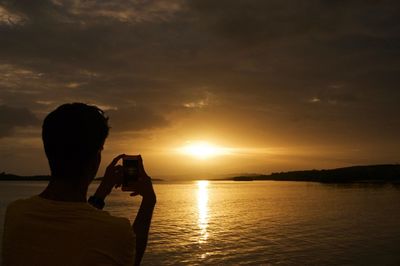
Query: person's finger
(118, 182)
(115, 161)
(119, 168)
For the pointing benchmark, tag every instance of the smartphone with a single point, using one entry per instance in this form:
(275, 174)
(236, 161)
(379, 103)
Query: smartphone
(130, 164)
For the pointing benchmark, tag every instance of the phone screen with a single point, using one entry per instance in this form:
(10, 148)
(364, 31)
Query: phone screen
(130, 170)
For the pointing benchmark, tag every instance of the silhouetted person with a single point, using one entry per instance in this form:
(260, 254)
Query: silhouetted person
(58, 226)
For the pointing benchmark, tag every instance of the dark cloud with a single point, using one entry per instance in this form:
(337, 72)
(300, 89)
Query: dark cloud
(258, 20)
(250, 55)
(135, 119)
(13, 117)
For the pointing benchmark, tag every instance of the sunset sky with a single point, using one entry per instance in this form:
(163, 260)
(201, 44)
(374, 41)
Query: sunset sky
(256, 86)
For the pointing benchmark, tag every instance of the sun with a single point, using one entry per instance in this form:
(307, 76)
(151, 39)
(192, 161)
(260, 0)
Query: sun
(202, 150)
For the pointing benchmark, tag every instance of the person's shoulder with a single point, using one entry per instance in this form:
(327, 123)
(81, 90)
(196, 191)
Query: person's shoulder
(112, 226)
(19, 203)
(18, 207)
(109, 219)
(31, 202)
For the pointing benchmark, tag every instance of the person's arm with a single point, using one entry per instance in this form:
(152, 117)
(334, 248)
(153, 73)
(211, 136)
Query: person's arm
(112, 178)
(141, 225)
(144, 187)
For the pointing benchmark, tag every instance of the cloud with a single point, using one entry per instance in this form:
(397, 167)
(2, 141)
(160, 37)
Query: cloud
(198, 104)
(120, 10)
(206, 98)
(14, 117)
(260, 21)
(314, 100)
(9, 18)
(87, 13)
(335, 94)
(135, 118)
(250, 55)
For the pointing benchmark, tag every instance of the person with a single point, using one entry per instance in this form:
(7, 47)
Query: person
(60, 226)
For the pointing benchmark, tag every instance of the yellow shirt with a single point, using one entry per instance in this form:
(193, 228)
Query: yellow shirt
(39, 231)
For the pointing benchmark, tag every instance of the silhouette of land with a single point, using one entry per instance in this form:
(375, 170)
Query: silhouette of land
(385, 173)
(11, 177)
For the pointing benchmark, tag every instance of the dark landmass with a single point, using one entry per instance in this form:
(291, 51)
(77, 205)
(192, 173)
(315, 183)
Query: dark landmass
(152, 179)
(385, 173)
(12, 177)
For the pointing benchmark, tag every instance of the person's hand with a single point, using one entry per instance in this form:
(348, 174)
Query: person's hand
(113, 177)
(143, 186)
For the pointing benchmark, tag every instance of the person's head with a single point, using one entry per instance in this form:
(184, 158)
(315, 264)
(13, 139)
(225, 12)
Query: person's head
(73, 137)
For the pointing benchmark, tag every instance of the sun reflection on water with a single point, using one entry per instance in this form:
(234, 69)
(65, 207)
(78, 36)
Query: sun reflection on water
(202, 205)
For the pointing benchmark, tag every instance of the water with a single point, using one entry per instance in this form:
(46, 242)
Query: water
(260, 223)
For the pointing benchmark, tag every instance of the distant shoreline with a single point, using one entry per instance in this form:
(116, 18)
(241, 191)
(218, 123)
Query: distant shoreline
(384, 173)
(12, 177)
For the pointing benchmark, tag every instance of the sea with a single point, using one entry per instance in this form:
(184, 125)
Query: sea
(259, 222)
